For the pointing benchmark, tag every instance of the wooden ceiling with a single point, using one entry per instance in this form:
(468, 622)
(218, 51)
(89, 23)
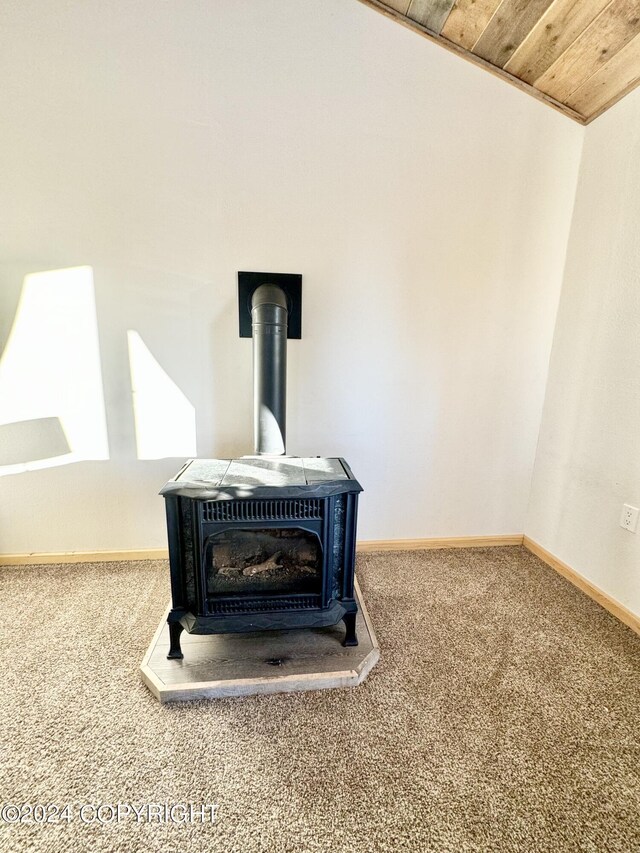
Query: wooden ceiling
(579, 56)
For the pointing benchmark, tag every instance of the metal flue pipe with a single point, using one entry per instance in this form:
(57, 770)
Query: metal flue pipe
(269, 321)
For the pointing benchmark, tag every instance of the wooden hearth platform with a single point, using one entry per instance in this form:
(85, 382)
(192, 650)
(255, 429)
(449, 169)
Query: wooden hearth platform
(220, 665)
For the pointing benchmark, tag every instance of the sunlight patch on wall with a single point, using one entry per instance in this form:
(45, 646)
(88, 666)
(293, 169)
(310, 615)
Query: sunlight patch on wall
(50, 375)
(165, 419)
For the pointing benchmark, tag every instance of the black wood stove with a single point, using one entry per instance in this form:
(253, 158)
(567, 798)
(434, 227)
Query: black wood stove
(264, 542)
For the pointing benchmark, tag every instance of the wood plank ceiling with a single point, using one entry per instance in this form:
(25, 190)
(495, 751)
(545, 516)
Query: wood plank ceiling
(579, 56)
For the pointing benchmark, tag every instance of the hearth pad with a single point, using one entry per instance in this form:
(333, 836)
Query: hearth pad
(220, 665)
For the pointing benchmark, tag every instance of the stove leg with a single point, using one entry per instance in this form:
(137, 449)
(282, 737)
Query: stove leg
(175, 652)
(350, 638)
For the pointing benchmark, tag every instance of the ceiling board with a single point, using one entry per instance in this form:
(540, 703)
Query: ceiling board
(430, 13)
(578, 56)
(621, 72)
(616, 25)
(508, 28)
(400, 5)
(467, 21)
(556, 30)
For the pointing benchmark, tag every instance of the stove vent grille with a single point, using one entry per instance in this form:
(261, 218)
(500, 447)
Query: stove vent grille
(268, 510)
(242, 605)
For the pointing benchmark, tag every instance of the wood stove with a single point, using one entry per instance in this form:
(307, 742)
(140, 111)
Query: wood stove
(264, 542)
(261, 544)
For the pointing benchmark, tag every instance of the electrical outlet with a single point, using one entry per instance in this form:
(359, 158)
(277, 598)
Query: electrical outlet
(629, 518)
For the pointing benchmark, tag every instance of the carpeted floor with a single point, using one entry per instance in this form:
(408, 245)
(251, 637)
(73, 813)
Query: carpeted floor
(504, 715)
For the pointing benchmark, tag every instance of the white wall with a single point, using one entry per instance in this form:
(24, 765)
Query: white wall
(588, 460)
(426, 203)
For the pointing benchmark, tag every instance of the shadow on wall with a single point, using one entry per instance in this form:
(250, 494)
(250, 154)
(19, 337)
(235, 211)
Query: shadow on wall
(22, 442)
(52, 409)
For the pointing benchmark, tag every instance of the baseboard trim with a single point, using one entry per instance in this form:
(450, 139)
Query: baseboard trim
(82, 557)
(598, 595)
(448, 542)
(162, 554)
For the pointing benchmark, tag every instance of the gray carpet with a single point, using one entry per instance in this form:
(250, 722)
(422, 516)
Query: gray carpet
(504, 715)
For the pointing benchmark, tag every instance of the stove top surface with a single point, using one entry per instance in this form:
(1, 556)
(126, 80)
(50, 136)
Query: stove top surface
(253, 476)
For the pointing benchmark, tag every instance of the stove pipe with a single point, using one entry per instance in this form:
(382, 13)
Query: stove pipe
(269, 321)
